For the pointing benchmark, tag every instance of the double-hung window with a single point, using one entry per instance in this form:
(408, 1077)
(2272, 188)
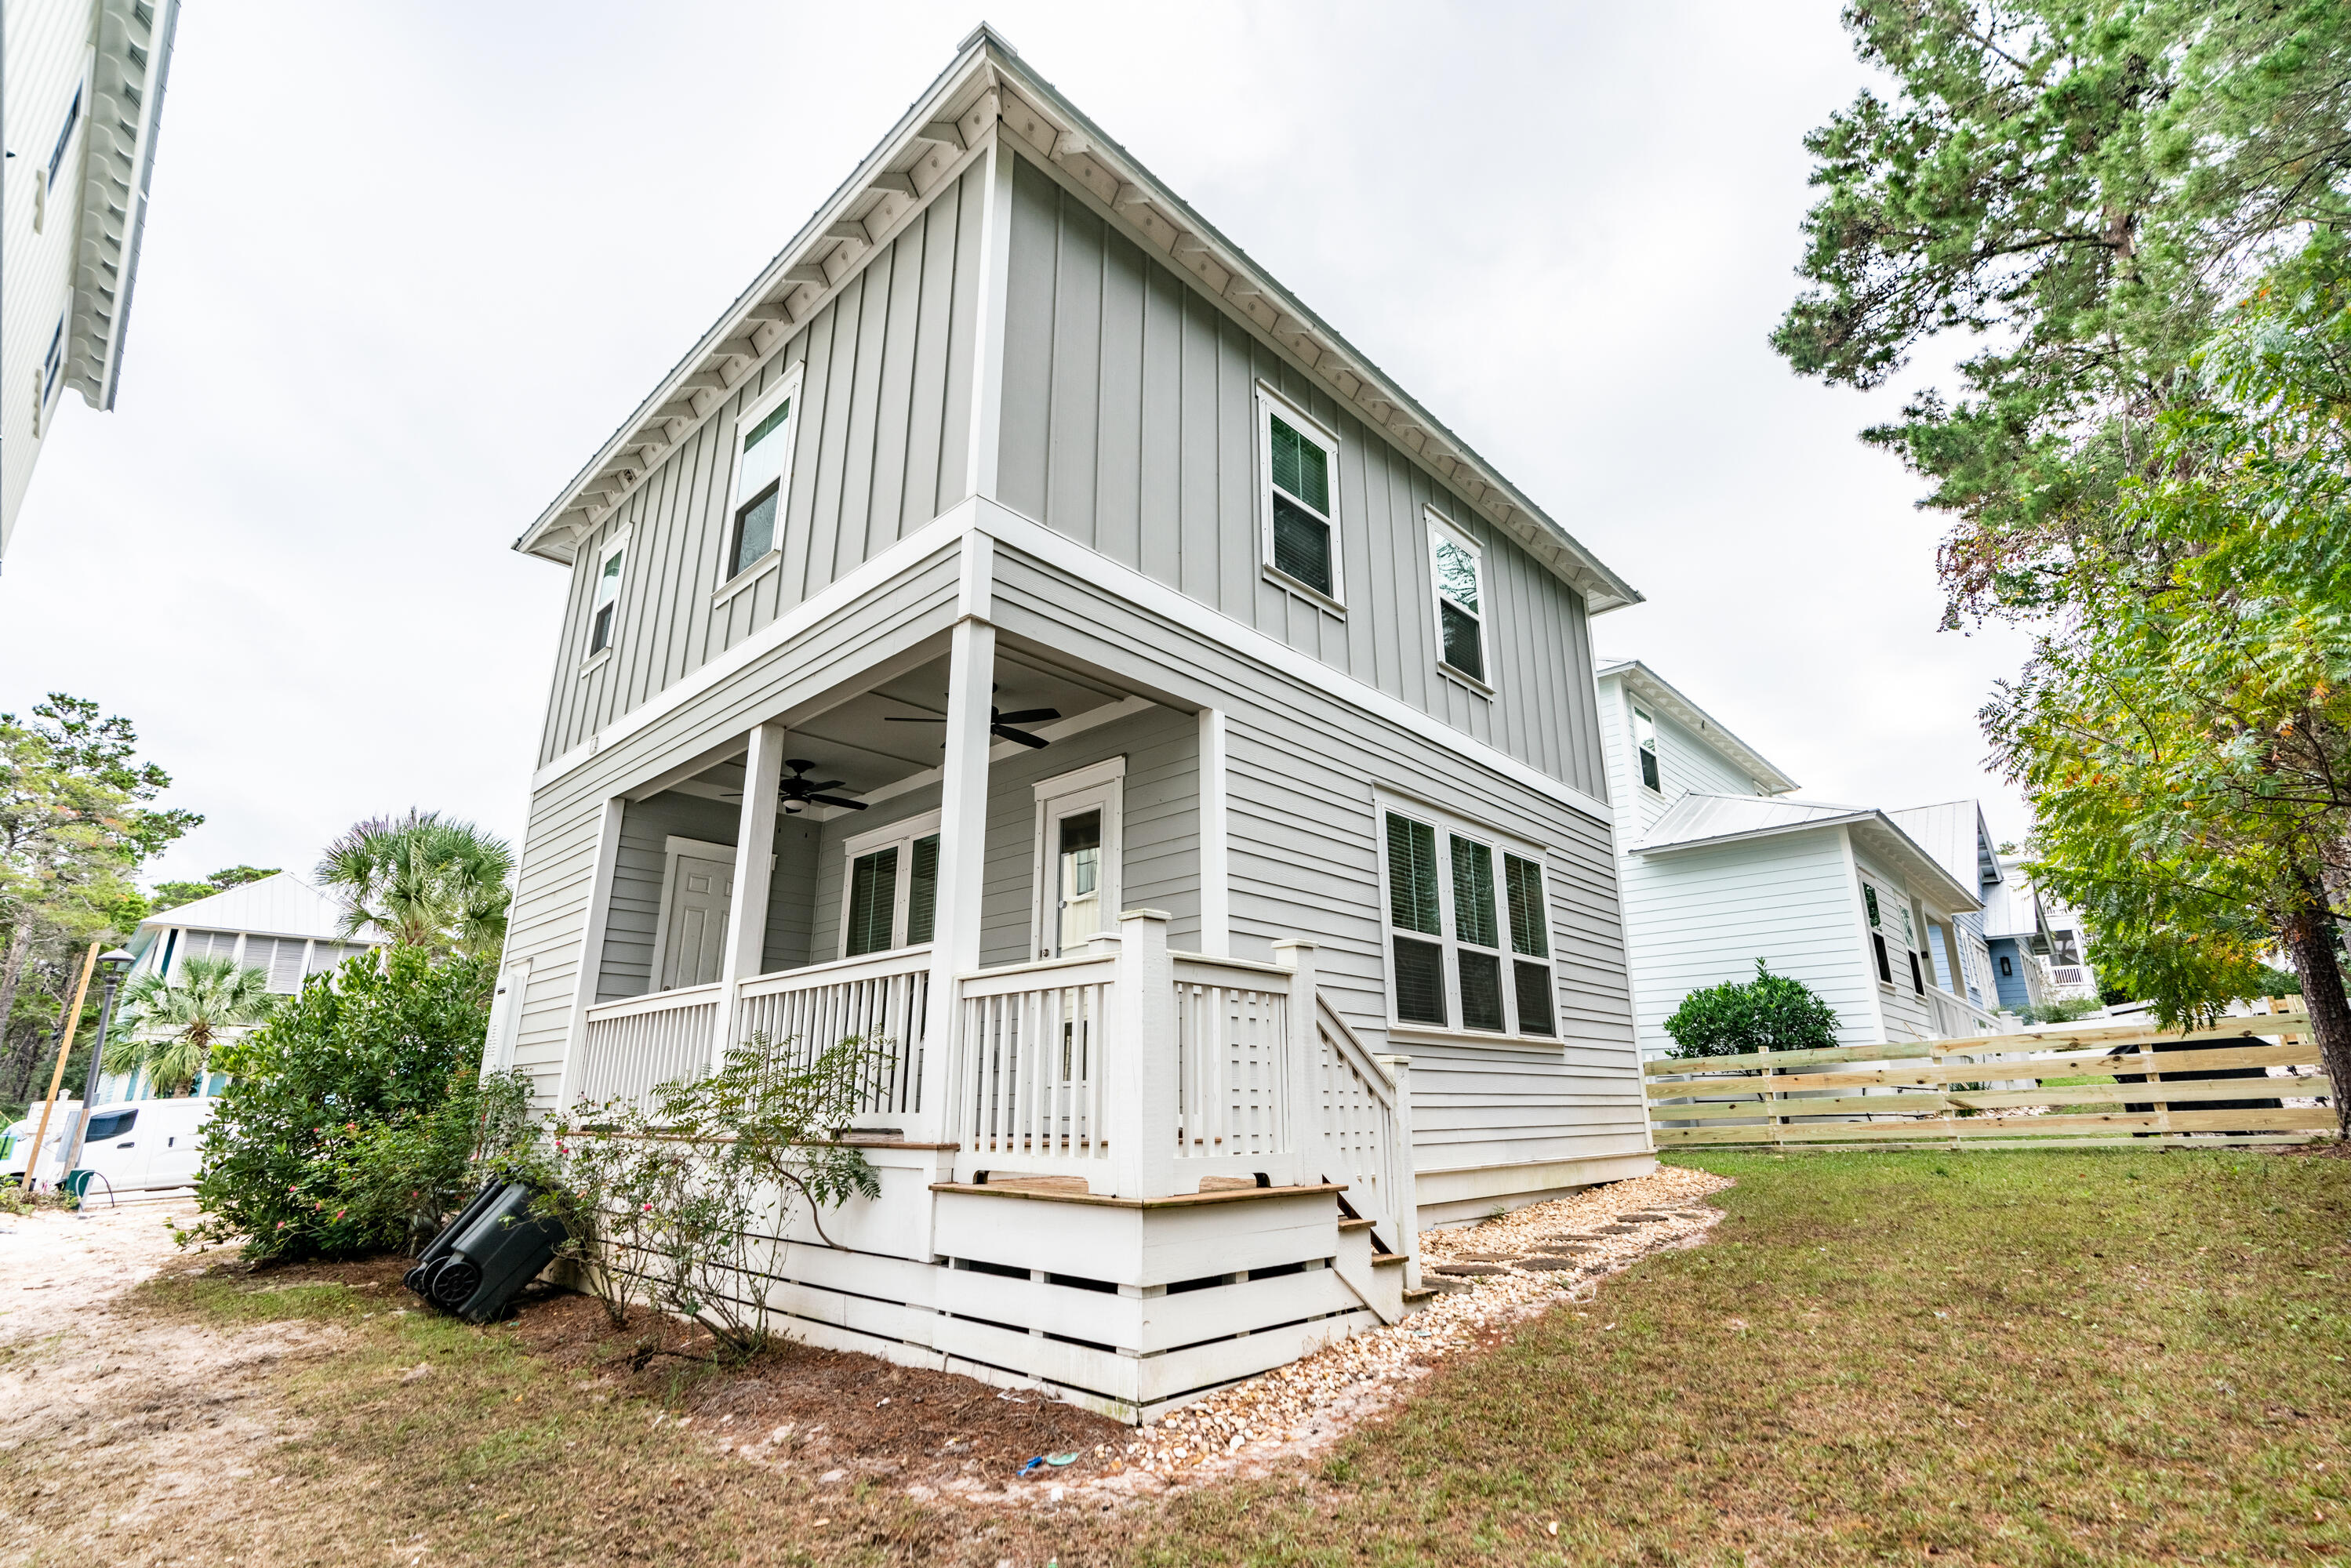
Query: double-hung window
(892, 896)
(1456, 570)
(1300, 463)
(1468, 942)
(763, 471)
(1645, 742)
(65, 138)
(604, 609)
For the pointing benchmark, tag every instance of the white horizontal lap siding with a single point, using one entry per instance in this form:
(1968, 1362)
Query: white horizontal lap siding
(544, 926)
(880, 435)
(1705, 916)
(1130, 423)
(1907, 1014)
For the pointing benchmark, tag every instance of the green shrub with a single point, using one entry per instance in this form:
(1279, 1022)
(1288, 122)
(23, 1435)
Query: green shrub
(2062, 1012)
(1769, 1012)
(351, 1118)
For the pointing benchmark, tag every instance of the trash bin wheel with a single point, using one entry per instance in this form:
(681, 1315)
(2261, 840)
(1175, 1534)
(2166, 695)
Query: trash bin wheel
(454, 1282)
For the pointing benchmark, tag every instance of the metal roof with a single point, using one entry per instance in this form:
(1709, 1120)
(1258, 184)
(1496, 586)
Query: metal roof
(1698, 822)
(1954, 833)
(987, 86)
(280, 905)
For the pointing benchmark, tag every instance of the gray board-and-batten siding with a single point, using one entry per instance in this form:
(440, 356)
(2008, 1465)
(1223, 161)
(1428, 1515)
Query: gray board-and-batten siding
(879, 448)
(1130, 424)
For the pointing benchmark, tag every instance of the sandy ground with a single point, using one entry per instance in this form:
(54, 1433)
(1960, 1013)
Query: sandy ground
(108, 1435)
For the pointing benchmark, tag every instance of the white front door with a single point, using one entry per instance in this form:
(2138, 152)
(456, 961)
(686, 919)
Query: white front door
(693, 920)
(1077, 857)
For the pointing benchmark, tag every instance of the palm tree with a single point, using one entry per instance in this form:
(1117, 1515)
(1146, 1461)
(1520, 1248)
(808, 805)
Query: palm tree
(424, 880)
(171, 1024)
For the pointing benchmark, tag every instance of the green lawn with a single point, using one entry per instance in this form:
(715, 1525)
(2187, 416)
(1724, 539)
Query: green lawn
(2010, 1357)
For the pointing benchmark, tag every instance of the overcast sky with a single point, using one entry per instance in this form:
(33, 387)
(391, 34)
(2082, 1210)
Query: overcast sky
(408, 265)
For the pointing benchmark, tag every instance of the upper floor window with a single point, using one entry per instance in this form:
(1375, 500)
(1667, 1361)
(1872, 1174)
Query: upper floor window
(762, 474)
(65, 138)
(892, 898)
(604, 609)
(1467, 948)
(1461, 615)
(1645, 742)
(1299, 461)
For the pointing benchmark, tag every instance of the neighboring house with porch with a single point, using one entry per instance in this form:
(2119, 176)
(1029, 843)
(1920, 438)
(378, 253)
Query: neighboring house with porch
(279, 925)
(2018, 938)
(1023, 634)
(1721, 867)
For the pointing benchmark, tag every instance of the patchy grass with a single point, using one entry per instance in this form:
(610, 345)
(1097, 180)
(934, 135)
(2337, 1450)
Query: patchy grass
(1991, 1357)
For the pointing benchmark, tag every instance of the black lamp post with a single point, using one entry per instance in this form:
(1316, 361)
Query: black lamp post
(115, 965)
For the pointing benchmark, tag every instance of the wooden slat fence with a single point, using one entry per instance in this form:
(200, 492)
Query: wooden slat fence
(1995, 1091)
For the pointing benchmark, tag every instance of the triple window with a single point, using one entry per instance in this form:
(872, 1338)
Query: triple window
(1468, 940)
(763, 466)
(1300, 462)
(892, 899)
(604, 609)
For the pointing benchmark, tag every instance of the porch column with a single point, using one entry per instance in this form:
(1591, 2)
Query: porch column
(1301, 1088)
(1140, 1098)
(588, 968)
(963, 853)
(755, 854)
(1216, 886)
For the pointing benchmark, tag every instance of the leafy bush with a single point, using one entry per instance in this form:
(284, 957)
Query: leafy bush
(2064, 1011)
(1769, 1012)
(351, 1118)
(677, 1207)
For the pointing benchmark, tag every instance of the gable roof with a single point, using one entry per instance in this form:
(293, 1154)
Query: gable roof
(988, 85)
(280, 905)
(1954, 833)
(1648, 684)
(1698, 822)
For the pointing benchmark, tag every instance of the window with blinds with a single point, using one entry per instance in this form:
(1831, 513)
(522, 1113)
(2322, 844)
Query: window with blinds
(1301, 515)
(1452, 906)
(893, 896)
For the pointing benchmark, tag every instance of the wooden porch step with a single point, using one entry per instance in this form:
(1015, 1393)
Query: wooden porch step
(1388, 1261)
(1352, 1225)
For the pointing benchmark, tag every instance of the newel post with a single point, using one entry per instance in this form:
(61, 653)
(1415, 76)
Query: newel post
(1301, 1078)
(1142, 1059)
(1405, 1201)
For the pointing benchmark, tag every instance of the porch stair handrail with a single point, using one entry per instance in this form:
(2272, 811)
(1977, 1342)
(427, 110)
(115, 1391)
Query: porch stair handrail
(1364, 1109)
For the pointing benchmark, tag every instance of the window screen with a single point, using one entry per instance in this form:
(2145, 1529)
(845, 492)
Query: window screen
(1481, 990)
(1419, 981)
(1885, 968)
(873, 901)
(1645, 741)
(1534, 998)
(1412, 875)
(1523, 881)
(1918, 976)
(923, 891)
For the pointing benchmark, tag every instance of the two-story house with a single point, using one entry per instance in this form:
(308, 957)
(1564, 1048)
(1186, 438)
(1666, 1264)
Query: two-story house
(82, 101)
(1024, 636)
(1722, 866)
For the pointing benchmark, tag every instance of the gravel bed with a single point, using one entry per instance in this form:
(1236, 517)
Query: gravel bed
(1304, 1407)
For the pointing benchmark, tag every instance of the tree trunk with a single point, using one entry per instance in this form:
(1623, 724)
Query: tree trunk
(11, 969)
(2310, 938)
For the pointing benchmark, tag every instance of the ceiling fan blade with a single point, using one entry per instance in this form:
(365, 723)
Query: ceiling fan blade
(926, 718)
(828, 784)
(836, 800)
(1020, 736)
(1029, 715)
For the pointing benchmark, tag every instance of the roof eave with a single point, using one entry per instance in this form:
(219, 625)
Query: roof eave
(1635, 672)
(1149, 211)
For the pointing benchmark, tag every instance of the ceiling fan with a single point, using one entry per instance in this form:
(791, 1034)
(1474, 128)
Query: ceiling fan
(1000, 723)
(800, 791)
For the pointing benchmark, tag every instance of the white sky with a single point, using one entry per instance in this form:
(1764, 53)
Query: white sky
(407, 267)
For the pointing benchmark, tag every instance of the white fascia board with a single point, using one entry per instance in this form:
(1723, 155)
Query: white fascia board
(1716, 840)
(976, 518)
(1886, 836)
(1644, 682)
(986, 65)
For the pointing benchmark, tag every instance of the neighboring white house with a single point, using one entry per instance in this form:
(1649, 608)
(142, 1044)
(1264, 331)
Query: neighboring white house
(2068, 973)
(82, 99)
(279, 925)
(1720, 867)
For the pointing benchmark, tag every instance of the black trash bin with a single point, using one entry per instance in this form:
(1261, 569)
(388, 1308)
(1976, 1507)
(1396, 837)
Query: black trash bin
(481, 1261)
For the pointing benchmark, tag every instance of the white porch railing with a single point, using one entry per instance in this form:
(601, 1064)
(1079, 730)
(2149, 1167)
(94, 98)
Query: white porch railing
(1955, 1018)
(1233, 1067)
(1030, 1078)
(882, 999)
(639, 1041)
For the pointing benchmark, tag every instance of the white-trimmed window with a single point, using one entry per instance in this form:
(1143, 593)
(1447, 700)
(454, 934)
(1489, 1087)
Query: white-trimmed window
(1645, 745)
(1468, 928)
(1299, 466)
(889, 886)
(65, 138)
(763, 475)
(604, 608)
(1456, 573)
(53, 361)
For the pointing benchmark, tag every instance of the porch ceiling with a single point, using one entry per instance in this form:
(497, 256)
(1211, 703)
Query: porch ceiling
(865, 743)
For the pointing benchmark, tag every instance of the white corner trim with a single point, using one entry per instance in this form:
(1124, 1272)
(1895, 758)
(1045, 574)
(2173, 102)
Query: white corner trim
(1057, 549)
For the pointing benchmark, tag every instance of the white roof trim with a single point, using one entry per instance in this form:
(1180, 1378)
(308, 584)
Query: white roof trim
(1885, 838)
(131, 44)
(1646, 682)
(987, 86)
